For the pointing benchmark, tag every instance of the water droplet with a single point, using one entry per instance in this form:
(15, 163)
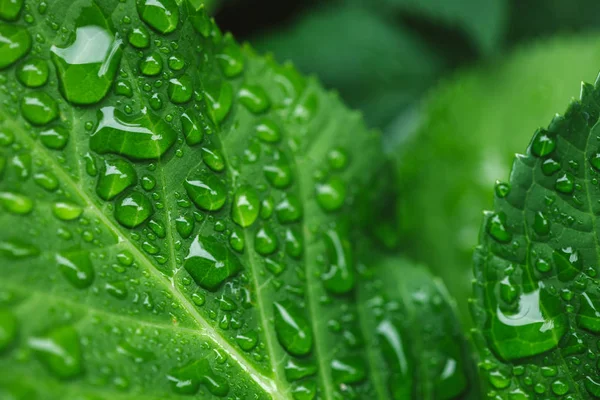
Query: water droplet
(207, 193)
(46, 180)
(289, 209)
(16, 249)
(306, 390)
(22, 165)
(565, 183)
(115, 176)
(541, 224)
(279, 172)
(247, 341)
(265, 241)
(116, 289)
(559, 387)
(210, 263)
(133, 209)
(348, 370)
(498, 380)
(231, 59)
(180, 89)
(219, 98)
(39, 108)
(184, 225)
(588, 316)
(55, 138)
(16, 203)
(186, 380)
(66, 211)
(292, 329)
(254, 98)
(10, 9)
(138, 355)
(148, 182)
(245, 206)
(340, 276)
(88, 62)
(139, 37)
(59, 351)
(502, 189)
(299, 369)
(542, 265)
(337, 158)
(144, 137)
(293, 243)
(542, 144)
(496, 227)
(8, 322)
(395, 355)
(15, 42)
(77, 268)
(161, 15)
(550, 166)
(191, 127)
(536, 326)
(151, 65)
(33, 73)
(331, 194)
(268, 131)
(176, 62)
(199, 299)
(214, 159)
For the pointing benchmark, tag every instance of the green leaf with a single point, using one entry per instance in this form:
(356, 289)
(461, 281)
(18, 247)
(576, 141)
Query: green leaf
(451, 150)
(176, 212)
(416, 346)
(536, 267)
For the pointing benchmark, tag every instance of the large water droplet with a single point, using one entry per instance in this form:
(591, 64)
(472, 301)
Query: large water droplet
(340, 276)
(279, 172)
(151, 65)
(33, 73)
(214, 159)
(588, 316)
(16, 203)
(143, 137)
(161, 15)
(60, 352)
(289, 209)
(247, 341)
(208, 193)
(254, 98)
(396, 358)
(180, 89)
(186, 380)
(10, 9)
(210, 262)
(565, 183)
(231, 59)
(292, 329)
(268, 131)
(348, 370)
(265, 241)
(77, 268)
(139, 37)
(192, 130)
(219, 98)
(115, 176)
(245, 206)
(15, 42)
(88, 62)
(331, 194)
(55, 138)
(496, 227)
(39, 108)
(133, 209)
(542, 143)
(536, 326)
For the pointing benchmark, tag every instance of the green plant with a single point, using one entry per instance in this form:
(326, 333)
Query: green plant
(182, 217)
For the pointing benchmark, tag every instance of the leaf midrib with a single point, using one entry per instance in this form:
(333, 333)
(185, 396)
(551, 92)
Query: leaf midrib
(265, 383)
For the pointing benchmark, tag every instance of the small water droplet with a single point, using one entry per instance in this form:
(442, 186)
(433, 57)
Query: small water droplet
(496, 227)
(331, 194)
(245, 206)
(289, 209)
(66, 211)
(210, 263)
(279, 172)
(265, 241)
(208, 193)
(33, 73)
(39, 108)
(115, 176)
(565, 183)
(254, 98)
(268, 131)
(139, 37)
(151, 65)
(231, 59)
(180, 89)
(55, 138)
(77, 268)
(160, 15)
(133, 209)
(214, 159)
(542, 143)
(191, 127)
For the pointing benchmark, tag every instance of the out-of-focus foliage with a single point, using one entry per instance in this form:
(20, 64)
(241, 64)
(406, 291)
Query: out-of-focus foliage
(465, 138)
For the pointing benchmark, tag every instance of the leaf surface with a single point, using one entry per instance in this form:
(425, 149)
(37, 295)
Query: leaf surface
(536, 267)
(175, 212)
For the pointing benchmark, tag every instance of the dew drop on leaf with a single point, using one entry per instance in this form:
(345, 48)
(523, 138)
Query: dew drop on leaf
(279, 172)
(55, 138)
(231, 60)
(191, 128)
(16, 249)
(39, 108)
(565, 183)
(15, 42)
(496, 227)
(214, 159)
(254, 98)
(292, 329)
(77, 268)
(542, 144)
(139, 37)
(133, 209)
(339, 278)
(331, 194)
(16, 203)
(245, 206)
(208, 193)
(8, 326)
(219, 98)
(60, 352)
(247, 341)
(289, 209)
(348, 370)
(160, 15)
(10, 9)
(210, 263)
(115, 176)
(268, 131)
(151, 65)
(299, 369)
(265, 241)
(33, 73)
(66, 211)
(180, 89)
(293, 243)
(144, 137)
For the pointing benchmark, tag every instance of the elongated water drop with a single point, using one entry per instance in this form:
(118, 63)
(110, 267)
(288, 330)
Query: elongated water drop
(39, 108)
(8, 328)
(16, 203)
(292, 329)
(340, 276)
(77, 268)
(245, 206)
(214, 159)
(161, 15)
(60, 352)
(208, 193)
(55, 138)
(15, 249)
(254, 98)
(66, 211)
(265, 241)
(143, 137)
